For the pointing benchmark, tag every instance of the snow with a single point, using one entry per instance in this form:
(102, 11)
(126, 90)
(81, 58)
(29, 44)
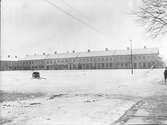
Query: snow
(95, 97)
(71, 110)
(142, 83)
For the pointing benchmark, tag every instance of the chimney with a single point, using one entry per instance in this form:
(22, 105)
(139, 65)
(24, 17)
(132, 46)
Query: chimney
(106, 49)
(8, 56)
(15, 56)
(55, 52)
(43, 54)
(145, 47)
(88, 50)
(73, 51)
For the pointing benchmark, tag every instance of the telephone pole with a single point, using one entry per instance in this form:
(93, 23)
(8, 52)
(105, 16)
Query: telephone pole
(131, 57)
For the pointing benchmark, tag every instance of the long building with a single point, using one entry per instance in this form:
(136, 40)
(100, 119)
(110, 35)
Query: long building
(108, 59)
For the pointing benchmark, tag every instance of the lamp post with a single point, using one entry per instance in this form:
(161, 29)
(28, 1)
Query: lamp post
(131, 57)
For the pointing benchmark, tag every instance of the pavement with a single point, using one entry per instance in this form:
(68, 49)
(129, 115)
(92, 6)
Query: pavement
(148, 111)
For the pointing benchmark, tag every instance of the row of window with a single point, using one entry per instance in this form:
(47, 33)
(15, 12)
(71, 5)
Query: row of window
(134, 57)
(68, 60)
(92, 59)
(80, 59)
(90, 66)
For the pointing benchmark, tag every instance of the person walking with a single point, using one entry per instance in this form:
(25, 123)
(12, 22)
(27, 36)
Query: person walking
(165, 74)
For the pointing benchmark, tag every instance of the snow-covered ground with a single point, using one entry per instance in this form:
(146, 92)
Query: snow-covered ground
(142, 83)
(81, 97)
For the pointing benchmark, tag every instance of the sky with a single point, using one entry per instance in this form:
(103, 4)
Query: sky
(36, 26)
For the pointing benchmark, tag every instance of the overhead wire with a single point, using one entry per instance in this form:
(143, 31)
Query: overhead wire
(72, 8)
(72, 16)
(102, 34)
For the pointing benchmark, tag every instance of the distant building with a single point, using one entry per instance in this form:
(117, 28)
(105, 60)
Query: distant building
(9, 63)
(108, 59)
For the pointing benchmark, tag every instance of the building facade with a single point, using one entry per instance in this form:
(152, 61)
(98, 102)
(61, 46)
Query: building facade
(108, 59)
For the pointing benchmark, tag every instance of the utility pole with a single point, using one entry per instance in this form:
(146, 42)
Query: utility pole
(131, 57)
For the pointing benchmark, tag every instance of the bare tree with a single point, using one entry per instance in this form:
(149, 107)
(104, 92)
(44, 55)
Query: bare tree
(153, 14)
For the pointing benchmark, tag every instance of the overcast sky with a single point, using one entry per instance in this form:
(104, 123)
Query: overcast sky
(35, 26)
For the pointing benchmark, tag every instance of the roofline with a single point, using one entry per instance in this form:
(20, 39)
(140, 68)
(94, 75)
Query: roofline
(85, 54)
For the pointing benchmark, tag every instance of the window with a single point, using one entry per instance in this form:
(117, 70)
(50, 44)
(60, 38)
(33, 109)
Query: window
(106, 65)
(99, 59)
(153, 63)
(110, 64)
(144, 65)
(122, 64)
(149, 64)
(135, 65)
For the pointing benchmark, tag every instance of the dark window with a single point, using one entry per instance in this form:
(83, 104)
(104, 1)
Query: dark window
(110, 64)
(149, 65)
(126, 64)
(144, 65)
(122, 64)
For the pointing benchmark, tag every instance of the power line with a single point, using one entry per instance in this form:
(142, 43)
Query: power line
(75, 18)
(72, 8)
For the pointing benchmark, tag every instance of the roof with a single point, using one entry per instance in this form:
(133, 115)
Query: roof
(8, 59)
(92, 54)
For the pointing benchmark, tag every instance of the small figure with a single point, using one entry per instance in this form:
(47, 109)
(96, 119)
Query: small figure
(165, 74)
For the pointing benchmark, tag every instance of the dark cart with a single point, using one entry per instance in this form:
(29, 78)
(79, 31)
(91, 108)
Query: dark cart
(35, 75)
